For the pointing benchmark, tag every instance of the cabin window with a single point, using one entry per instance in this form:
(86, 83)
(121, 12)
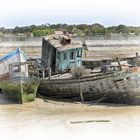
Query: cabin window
(64, 56)
(72, 55)
(79, 53)
(58, 55)
(16, 68)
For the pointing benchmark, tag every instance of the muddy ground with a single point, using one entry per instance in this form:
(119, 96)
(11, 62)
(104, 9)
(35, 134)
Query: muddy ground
(52, 120)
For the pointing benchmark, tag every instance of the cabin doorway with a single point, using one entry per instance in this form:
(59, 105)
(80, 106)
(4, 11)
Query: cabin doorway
(53, 61)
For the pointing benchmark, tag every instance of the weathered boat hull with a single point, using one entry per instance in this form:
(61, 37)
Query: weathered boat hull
(19, 89)
(121, 87)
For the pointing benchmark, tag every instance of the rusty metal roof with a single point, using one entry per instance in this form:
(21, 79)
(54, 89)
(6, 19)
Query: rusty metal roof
(56, 43)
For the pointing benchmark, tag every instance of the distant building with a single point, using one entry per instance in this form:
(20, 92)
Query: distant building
(58, 32)
(61, 54)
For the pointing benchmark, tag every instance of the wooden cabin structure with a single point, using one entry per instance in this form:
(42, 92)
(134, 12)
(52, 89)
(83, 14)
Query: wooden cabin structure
(61, 53)
(13, 64)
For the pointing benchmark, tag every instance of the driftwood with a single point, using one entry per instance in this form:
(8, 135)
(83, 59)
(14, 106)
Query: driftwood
(89, 121)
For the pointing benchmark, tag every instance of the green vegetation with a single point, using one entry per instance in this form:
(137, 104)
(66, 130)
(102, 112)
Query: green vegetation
(80, 29)
(43, 32)
(13, 91)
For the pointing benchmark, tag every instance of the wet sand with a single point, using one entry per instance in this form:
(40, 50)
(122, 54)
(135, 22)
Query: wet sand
(51, 120)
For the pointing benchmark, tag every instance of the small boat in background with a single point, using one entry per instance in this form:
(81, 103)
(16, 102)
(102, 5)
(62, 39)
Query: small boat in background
(14, 80)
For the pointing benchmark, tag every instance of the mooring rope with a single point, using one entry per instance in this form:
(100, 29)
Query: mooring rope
(99, 100)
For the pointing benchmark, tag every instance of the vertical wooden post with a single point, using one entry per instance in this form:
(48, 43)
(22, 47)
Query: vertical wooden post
(21, 94)
(81, 93)
(43, 73)
(27, 71)
(137, 55)
(137, 59)
(120, 67)
(49, 73)
(50, 58)
(38, 73)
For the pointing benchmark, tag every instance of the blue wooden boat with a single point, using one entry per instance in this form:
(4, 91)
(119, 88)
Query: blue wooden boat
(14, 80)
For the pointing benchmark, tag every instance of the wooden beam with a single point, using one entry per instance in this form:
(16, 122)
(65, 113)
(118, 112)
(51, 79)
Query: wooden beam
(49, 73)
(81, 93)
(43, 73)
(120, 67)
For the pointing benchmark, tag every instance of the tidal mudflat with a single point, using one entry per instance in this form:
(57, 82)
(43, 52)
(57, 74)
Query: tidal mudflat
(50, 120)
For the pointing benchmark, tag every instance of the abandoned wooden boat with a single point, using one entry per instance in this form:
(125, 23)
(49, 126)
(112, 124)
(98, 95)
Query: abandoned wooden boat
(14, 80)
(115, 87)
(58, 53)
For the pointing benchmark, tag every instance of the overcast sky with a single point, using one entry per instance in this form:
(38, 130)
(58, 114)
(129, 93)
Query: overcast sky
(107, 12)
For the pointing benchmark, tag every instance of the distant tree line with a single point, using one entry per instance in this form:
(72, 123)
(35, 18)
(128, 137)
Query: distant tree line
(81, 29)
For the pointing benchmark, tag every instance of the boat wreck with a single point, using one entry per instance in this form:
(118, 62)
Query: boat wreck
(114, 87)
(14, 80)
(119, 84)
